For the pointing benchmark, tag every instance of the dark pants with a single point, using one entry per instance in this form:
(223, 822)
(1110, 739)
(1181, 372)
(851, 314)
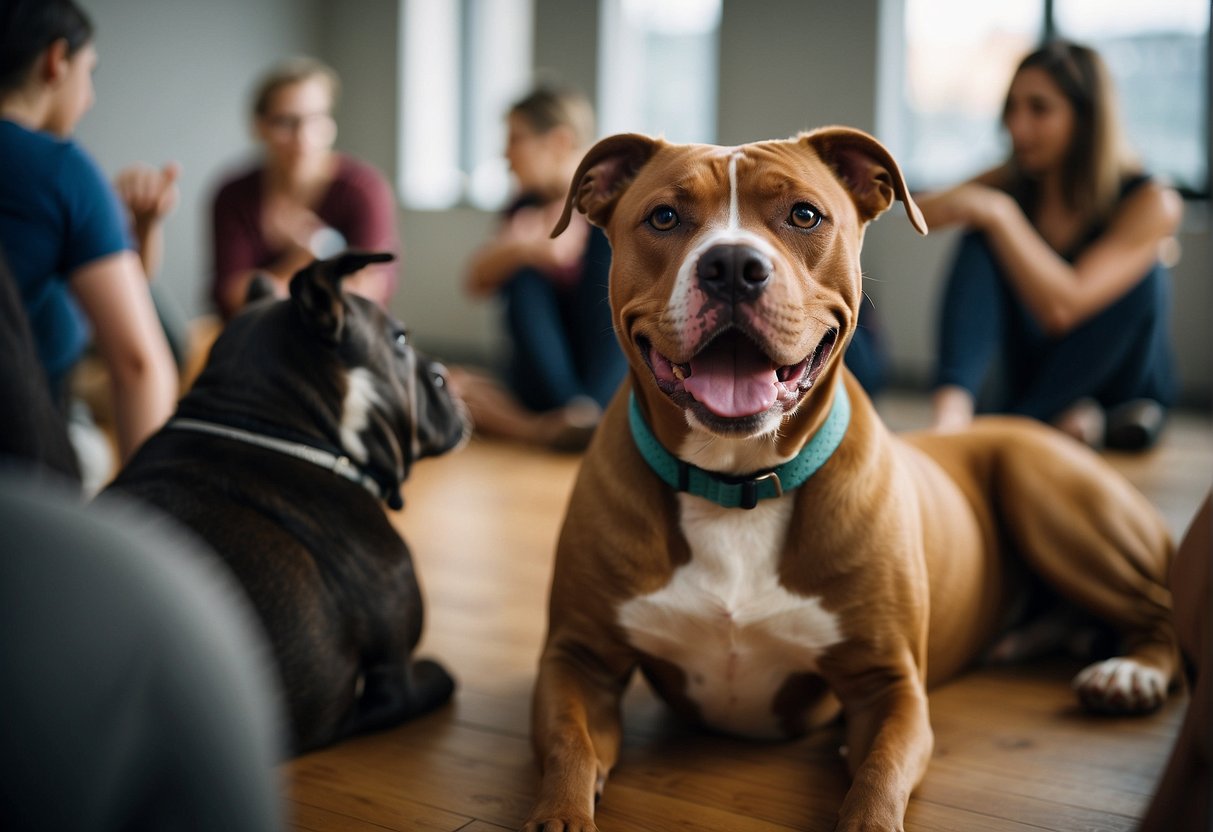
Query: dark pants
(866, 355)
(990, 344)
(563, 337)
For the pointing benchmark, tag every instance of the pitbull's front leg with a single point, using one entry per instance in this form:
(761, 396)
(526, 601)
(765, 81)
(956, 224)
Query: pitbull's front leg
(889, 741)
(576, 731)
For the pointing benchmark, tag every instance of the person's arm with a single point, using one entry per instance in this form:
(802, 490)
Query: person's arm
(237, 240)
(1060, 295)
(525, 240)
(113, 293)
(956, 205)
(149, 196)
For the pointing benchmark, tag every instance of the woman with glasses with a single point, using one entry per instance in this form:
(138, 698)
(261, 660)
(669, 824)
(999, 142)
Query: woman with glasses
(303, 200)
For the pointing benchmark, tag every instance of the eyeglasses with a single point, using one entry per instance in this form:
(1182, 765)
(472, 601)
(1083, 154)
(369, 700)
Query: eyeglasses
(290, 123)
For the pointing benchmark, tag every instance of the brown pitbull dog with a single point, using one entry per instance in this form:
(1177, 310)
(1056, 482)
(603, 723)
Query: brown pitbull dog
(746, 530)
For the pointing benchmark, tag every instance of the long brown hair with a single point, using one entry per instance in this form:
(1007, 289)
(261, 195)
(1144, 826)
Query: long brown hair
(1098, 158)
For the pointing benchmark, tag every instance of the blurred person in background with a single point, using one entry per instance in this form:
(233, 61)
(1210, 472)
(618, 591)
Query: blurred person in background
(302, 200)
(1057, 302)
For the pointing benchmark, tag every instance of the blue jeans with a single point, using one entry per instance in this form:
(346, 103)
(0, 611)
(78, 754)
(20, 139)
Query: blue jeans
(563, 338)
(990, 344)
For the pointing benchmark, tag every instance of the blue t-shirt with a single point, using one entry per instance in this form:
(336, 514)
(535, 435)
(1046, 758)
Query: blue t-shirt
(57, 213)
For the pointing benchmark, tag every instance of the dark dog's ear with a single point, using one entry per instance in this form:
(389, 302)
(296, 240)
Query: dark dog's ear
(260, 287)
(867, 169)
(604, 174)
(316, 290)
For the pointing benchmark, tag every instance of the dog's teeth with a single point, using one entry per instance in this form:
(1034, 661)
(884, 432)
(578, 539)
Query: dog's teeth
(679, 373)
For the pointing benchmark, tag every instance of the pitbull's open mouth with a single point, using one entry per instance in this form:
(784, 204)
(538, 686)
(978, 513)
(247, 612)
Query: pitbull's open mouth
(733, 379)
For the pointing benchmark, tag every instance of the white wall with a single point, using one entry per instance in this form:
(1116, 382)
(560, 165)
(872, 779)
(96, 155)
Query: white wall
(173, 83)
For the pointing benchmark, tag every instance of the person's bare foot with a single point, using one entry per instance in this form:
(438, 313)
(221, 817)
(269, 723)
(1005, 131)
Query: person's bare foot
(952, 409)
(1084, 420)
(571, 427)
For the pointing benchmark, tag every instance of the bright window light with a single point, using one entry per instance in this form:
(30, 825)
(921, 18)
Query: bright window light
(672, 41)
(430, 177)
(463, 62)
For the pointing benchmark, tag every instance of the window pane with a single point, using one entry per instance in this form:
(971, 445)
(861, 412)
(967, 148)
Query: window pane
(1157, 53)
(430, 177)
(959, 58)
(499, 73)
(657, 68)
(463, 62)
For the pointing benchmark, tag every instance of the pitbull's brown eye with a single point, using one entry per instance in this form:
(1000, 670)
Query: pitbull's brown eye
(663, 218)
(804, 215)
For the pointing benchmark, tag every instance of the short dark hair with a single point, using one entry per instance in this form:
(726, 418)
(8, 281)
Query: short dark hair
(28, 27)
(546, 108)
(289, 72)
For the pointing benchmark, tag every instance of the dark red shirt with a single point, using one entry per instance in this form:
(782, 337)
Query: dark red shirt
(359, 203)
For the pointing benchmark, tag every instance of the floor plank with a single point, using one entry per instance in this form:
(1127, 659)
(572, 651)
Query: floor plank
(1013, 752)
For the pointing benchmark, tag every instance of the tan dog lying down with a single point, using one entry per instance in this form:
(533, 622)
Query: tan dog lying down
(748, 533)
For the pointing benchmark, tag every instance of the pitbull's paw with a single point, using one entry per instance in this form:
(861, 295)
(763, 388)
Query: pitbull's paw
(551, 824)
(1121, 686)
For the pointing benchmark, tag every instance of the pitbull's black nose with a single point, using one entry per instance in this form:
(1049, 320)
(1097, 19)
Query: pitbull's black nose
(733, 272)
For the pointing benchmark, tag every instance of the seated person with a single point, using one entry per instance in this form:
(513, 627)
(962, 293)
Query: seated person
(62, 229)
(565, 363)
(1058, 286)
(304, 200)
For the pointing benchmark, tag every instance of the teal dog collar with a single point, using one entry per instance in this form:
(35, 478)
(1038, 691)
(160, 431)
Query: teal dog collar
(743, 492)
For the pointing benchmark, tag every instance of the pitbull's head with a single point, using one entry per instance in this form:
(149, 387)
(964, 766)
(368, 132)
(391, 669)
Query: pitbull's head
(334, 367)
(735, 276)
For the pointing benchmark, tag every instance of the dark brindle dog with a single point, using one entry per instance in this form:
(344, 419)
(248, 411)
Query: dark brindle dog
(304, 422)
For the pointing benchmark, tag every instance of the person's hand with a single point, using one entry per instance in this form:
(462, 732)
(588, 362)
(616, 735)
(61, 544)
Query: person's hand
(289, 225)
(149, 194)
(970, 204)
(532, 228)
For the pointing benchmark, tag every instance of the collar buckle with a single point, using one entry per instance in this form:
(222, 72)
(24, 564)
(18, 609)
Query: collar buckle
(750, 488)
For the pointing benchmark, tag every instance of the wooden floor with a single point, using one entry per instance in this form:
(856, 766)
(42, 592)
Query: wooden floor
(1012, 750)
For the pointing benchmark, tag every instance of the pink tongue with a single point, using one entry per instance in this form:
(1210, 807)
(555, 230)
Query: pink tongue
(732, 378)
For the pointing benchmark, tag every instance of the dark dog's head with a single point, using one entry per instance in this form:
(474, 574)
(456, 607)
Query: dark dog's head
(332, 366)
(735, 276)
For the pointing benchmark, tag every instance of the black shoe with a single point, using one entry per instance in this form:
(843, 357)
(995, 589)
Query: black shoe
(1134, 425)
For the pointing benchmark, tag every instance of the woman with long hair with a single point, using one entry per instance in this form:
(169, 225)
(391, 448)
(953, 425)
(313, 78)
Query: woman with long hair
(1056, 305)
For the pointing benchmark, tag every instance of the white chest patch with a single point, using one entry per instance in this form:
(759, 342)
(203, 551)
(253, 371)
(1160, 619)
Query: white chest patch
(725, 620)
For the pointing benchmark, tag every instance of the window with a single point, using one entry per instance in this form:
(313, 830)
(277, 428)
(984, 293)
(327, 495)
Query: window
(1158, 55)
(657, 68)
(463, 62)
(949, 62)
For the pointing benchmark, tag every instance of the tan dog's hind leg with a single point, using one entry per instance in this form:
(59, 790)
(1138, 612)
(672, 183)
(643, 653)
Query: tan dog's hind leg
(1100, 544)
(577, 730)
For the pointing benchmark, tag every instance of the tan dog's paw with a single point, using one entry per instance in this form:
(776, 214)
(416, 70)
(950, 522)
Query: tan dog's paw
(1121, 686)
(549, 824)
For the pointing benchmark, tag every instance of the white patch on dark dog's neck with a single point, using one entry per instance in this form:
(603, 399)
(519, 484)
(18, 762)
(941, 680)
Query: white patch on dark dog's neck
(360, 398)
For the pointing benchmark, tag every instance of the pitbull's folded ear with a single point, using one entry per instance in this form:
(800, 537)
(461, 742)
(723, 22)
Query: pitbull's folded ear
(316, 290)
(604, 174)
(260, 287)
(867, 169)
